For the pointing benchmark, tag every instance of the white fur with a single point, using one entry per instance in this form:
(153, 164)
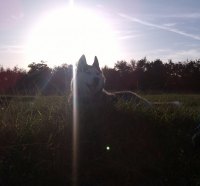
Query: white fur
(89, 80)
(86, 85)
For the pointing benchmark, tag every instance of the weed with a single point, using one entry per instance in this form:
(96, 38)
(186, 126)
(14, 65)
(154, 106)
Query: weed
(146, 146)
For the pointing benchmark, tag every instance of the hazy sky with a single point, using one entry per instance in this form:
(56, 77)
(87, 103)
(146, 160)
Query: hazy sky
(152, 28)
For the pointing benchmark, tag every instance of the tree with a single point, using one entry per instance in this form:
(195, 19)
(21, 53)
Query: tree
(61, 78)
(140, 69)
(37, 79)
(9, 79)
(123, 67)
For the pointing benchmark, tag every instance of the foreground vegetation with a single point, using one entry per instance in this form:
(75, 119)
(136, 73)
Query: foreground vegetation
(147, 147)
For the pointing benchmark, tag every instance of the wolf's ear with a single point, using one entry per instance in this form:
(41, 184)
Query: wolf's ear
(96, 63)
(82, 64)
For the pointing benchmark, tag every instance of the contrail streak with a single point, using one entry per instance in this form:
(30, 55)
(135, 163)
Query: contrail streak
(132, 19)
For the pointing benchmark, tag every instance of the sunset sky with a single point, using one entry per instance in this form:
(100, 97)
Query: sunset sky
(111, 29)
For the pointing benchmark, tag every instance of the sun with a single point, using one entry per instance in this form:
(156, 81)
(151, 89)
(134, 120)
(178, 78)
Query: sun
(64, 34)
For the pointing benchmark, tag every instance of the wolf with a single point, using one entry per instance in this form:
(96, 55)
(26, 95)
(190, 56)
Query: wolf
(90, 83)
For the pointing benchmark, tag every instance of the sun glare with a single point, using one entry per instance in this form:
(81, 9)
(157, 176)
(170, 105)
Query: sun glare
(63, 35)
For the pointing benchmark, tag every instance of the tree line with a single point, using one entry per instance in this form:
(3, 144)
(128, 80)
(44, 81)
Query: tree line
(140, 75)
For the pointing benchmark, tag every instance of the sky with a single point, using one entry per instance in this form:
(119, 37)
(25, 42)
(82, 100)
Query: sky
(134, 29)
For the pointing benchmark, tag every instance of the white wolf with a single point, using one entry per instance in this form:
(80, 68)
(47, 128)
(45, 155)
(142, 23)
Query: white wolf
(90, 87)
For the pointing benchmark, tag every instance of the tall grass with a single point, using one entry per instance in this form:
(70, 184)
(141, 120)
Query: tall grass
(147, 146)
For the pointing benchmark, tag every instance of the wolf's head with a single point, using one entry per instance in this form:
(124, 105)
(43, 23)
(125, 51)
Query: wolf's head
(90, 79)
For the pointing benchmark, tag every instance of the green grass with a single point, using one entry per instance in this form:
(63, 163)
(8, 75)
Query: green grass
(147, 146)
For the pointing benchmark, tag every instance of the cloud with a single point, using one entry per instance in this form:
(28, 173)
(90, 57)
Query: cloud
(131, 36)
(173, 54)
(18, 16)
(12, 49)
(99, 6)
(169, 24)
(165, 54)
(179, 55)
(133, 19)
(195, 15)
(124, 34)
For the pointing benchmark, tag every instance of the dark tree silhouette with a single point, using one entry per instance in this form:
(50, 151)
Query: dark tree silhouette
(112, 78)
(9, 79)
(134, 75)
(61, 79)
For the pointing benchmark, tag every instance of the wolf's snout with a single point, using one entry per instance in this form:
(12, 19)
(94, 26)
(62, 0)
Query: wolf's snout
(95, 81)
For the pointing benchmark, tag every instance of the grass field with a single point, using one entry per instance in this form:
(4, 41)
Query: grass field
(148, 147)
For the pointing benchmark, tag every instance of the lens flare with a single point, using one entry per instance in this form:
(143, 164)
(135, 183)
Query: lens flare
(107, 148)
(75, 131)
